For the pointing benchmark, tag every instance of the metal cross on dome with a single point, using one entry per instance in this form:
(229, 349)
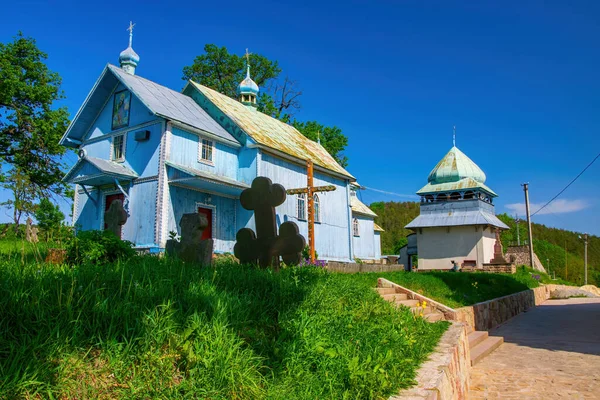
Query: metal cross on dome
(247, 56)
(130, 29)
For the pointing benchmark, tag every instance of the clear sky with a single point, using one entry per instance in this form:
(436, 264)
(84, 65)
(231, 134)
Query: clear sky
(519, 79)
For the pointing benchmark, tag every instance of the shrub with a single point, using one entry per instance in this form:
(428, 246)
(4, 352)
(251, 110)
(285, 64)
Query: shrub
(98, 247)
(306, 253)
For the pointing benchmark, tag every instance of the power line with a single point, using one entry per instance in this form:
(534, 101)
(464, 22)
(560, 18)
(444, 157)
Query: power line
(566, 187)
(409, 196)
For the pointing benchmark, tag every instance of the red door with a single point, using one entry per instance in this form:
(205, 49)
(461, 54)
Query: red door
(207, 212)
(109, 199)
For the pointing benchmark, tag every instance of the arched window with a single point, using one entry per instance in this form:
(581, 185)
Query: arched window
(442, 197)
(355, 229)
(317, 206)
(301, 206)
(455, 196)
(429, 198)
(469, 195)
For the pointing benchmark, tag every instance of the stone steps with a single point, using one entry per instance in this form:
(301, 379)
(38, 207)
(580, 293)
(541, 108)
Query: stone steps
(385, 290)
(395, 297)
(481, 345)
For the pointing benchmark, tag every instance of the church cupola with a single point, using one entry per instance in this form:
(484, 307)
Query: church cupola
(128, 59)
(248, 89)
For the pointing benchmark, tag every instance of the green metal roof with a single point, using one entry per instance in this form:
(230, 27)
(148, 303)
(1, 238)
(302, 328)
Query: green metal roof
(455, 172)
(455, 166)
(461, 185)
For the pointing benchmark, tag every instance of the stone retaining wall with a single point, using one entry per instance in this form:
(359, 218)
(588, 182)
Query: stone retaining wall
(519, 255)
(446, 374)
(351, 268)
(489, 314)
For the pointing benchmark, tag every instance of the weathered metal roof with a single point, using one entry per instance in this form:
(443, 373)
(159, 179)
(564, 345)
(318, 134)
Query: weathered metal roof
(270, 132)
(377, 228)
(159, 99)
(455, 166)
(466, 183)
(110, 168)
(358, 207)
(206, 175)
(457, 218)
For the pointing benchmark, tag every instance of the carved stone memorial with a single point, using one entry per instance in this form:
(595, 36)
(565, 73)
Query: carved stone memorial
(191, 248)
(115, 217)
(31, 232)
(498, 252)
(265, 246)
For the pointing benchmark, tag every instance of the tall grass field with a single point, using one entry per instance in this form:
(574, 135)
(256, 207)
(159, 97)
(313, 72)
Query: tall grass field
(154, 328)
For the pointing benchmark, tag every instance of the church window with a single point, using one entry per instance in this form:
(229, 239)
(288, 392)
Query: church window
(302, 206)
(355, 227)
(469, 195)
(442, 197)
(206, 150)
(455, 196)
(317, 208)
(118, 148)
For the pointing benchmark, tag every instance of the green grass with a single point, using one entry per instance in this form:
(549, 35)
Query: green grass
(155, 328)
(462, 289)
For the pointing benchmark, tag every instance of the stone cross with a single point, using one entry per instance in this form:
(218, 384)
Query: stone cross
(265, 246)
(192, 248)
(31, 232)
(115, 217)
(498, 253)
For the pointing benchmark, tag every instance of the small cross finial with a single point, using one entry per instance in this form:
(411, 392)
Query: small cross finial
(319, 137)
(247, 56)
(130, 29)
(454, 136)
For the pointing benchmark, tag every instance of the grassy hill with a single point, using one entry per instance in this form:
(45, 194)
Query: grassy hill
(549, 243)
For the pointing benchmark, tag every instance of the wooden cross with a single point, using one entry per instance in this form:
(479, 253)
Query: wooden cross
(247, 56)
(310, 190)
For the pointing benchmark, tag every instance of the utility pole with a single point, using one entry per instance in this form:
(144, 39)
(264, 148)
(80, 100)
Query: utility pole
(518, 234)
(585, 241)
(566, 265)
(526, 190)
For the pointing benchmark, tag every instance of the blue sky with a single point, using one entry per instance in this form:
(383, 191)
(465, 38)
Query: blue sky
(518, 79)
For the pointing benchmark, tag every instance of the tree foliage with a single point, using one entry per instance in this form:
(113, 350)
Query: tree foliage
(24, 196)
(279, 98)
(30, 128)
(49, 217)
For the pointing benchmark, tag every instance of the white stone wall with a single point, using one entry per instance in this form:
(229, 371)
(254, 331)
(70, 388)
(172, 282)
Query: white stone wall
(440, 245)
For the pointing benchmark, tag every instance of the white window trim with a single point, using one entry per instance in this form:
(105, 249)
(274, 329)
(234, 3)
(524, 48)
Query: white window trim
(298, 208)
(317, 200)
(112, 150)
(355, 227)
(200, 145)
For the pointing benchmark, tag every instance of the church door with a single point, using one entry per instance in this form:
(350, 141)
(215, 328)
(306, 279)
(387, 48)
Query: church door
(207, 212)
(109, 199)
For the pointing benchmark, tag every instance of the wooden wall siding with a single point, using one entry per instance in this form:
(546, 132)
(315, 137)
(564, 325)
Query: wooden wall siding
(247, 165)
(138, 114)
(183, 201)
(185, 151)
(364, 245)
(332, 232)
(377, 238)
(86, 216)
(142, 157)
(139, 227)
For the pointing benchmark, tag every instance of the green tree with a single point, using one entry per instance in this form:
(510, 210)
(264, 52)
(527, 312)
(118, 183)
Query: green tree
(279, 98)
(30, 128)
(24, 196)
(331, 138)
(49, 217)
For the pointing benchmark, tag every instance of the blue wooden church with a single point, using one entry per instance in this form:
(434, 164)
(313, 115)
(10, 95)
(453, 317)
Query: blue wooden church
(165, 153)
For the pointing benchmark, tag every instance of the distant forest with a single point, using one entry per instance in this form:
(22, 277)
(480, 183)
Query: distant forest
(548, 243)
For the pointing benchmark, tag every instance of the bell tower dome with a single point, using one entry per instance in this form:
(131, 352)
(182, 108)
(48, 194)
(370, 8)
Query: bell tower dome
(248, 89)
(128, 59)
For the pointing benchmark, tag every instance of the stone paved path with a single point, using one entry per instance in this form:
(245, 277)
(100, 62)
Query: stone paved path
(550, 352)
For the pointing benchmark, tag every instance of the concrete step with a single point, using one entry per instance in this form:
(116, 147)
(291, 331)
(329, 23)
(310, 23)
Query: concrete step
(476, 337)
(484, 348)
(395, 297)
(425, 311)
(408, 303)
(434, 316)
(385, 290)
